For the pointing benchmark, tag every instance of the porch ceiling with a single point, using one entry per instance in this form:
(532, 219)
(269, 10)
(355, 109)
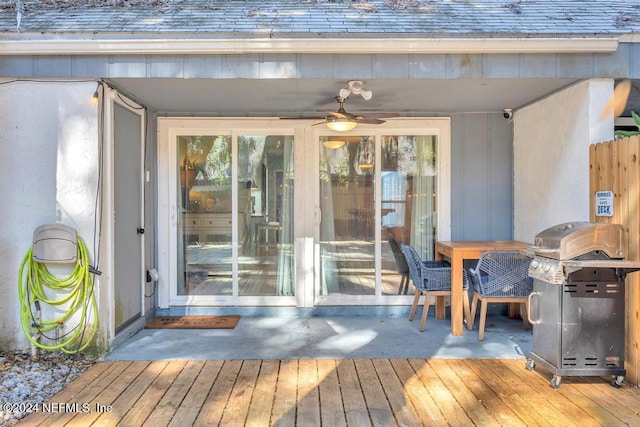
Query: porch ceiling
(306, 98)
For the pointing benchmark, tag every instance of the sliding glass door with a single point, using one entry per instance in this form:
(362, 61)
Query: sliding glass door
(235, 198)
(255, 214)
(373, 188)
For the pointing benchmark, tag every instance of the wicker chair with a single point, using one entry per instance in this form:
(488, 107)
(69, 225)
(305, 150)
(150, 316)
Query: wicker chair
(431, 278)
(401, 265)
(502, 277)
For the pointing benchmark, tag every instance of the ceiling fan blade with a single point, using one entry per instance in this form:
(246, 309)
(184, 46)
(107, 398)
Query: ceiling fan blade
(301, 118)
(371, 121)
(381, 115)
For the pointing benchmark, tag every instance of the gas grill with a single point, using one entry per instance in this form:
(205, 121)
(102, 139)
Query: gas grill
(577, 307)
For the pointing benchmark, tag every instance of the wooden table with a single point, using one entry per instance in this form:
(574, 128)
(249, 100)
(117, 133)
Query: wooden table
(457, 252)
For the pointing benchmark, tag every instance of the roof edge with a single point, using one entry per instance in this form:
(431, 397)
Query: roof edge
(105, 46)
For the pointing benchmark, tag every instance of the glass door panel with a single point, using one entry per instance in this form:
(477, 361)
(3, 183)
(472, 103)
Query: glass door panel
(408, 201)
(205, 258)
(265, 201)
(347, 228)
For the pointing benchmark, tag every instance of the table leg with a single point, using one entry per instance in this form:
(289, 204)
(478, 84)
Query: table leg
(440, 300)
(513, 311)
(456, 294)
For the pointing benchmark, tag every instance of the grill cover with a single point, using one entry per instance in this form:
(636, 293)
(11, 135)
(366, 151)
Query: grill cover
(572, 239)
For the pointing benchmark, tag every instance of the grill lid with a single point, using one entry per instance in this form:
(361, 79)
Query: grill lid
(573, 239)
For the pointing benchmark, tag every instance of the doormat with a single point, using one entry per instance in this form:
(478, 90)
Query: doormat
(194, 322)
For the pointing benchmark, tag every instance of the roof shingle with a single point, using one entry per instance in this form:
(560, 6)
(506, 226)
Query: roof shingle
(323, 18)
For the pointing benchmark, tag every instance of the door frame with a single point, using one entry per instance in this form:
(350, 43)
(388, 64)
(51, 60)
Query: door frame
(306, 230)
(439, 126)
(113, 97)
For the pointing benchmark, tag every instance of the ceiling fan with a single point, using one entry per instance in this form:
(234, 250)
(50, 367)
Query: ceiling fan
(343, 121)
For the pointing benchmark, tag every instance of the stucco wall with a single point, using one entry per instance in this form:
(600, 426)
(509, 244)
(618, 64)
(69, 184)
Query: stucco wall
(551, 156)
(49, 174)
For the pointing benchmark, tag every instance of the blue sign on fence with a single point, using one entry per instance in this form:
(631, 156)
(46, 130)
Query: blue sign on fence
(604, 203)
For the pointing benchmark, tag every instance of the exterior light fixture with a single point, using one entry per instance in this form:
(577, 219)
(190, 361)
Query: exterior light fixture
(333, 144)
(356, 87)
(96, 95)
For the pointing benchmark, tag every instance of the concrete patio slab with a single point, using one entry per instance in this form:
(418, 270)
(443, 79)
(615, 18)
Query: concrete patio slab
(282, 337)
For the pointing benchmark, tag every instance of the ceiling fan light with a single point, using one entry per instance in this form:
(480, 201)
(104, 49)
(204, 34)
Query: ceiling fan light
(355, 85)
(333, 144)
(341, 124)
(366, 94)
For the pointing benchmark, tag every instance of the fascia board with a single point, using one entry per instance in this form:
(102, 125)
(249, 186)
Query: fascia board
(336, 46)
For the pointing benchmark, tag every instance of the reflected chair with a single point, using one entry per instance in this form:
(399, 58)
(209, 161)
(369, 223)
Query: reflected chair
(431, 278)
(500, 277)
(401, 265)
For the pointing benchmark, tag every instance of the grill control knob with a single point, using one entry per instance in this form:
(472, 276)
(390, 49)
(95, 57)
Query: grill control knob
(547, 267)
(534, 264)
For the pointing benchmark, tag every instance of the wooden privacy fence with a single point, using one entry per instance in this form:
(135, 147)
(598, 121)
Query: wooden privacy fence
(614, 166)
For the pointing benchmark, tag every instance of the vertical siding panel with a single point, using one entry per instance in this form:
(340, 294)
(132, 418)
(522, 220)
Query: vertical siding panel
(457, 182)
(481, 177)
(476, 178)
(501, 178)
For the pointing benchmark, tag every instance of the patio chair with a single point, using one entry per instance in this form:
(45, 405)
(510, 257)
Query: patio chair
(431, 278)
(500, 277)
(401, 265)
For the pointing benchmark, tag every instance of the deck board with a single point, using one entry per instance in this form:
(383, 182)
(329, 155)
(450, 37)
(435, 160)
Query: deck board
(463, 395)
(150, 399)
(453, 413)
(405, 413)
(213, 407)
(331, 409)
(235, 412)
(427, 408)
(133, 392)
(262, 401)
(374, 395)
(172, 399)
(284, 412)
(349, 392)
(584, 411)
(355, 407)
(507, 407)
(194, 400)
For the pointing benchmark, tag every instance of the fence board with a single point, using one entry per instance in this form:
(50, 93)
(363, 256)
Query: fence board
(614, 165)
(633, 280)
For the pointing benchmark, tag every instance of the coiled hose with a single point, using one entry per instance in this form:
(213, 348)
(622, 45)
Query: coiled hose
(35, 281)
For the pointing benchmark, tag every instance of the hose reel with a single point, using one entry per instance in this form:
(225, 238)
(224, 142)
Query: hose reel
(71, 298)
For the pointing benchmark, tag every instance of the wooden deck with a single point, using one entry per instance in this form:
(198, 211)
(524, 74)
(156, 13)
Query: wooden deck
(362, 392)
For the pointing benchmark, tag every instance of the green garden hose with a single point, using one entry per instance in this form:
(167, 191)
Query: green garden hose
(73, 294)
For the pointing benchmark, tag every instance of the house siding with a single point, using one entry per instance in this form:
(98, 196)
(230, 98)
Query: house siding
(483, 194)
(481, 177)
(622, 63)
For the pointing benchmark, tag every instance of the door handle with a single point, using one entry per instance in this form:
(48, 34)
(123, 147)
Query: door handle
(140, 230)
